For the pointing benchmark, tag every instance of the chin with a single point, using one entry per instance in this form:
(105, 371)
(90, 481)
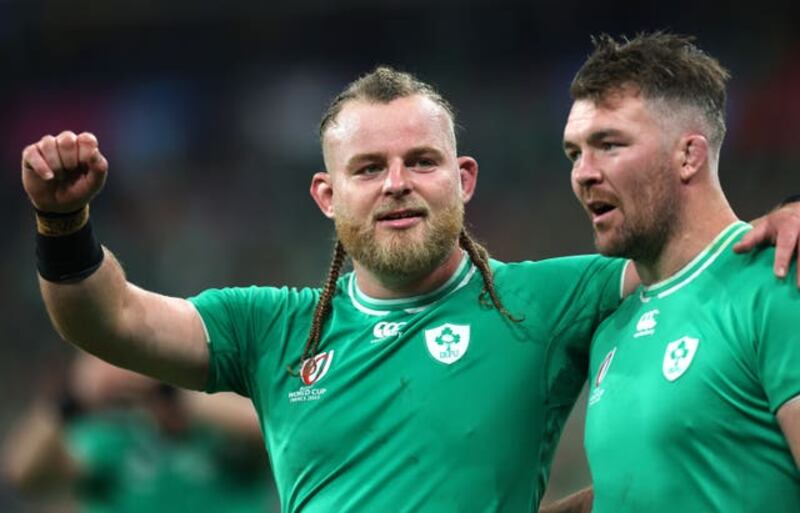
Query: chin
(606, 246)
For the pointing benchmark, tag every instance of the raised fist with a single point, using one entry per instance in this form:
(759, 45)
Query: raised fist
(62, 174)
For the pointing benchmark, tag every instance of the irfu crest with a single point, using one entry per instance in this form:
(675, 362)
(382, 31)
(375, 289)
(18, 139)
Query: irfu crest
(678, 357)
(448, 342)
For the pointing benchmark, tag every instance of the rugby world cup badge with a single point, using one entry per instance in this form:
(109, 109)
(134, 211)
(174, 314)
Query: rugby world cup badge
(678, 357)
(603, 369)
(314, 369)
(448, 342)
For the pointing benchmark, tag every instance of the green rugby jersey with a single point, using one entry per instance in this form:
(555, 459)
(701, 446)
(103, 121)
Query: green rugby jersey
(131, 466)
(685, 380)
(427, 404)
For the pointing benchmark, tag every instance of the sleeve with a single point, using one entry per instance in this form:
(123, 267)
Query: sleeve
(777, 322)
(581, 288)
(588, 289)
(567, 301)
(239, 323)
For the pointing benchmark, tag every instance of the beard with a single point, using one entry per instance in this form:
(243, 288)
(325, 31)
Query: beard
(402, 254)
(651, 220)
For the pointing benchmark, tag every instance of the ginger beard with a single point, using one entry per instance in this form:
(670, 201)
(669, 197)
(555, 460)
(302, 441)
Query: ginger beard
(407, 253)
(651, 217)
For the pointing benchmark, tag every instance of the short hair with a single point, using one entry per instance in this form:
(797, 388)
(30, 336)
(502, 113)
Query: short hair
(663, 66)
(383, 85)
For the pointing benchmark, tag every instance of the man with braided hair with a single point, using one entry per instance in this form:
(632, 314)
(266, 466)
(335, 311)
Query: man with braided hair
(432, 378)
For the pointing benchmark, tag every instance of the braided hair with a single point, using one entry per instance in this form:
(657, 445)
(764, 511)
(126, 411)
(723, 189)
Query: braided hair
(476, 252)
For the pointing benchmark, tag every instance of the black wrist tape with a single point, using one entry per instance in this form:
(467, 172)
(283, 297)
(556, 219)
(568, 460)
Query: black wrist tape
(791, 199)
(68, 258)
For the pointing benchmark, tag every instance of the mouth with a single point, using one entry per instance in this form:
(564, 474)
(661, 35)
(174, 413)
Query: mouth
(400, 218)
(600, 211)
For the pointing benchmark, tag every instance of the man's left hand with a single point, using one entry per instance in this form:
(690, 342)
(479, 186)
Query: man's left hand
(780, 227)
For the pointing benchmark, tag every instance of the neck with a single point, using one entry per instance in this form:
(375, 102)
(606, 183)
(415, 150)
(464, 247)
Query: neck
(393, 287)
(697, 226)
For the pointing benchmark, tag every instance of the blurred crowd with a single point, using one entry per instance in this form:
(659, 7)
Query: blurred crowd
(208, 118)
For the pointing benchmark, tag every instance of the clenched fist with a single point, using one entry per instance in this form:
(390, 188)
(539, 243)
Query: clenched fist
(62, 174)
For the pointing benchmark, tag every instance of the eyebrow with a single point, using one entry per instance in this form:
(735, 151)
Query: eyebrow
(595, 137)
(364, 158)
(423, 150)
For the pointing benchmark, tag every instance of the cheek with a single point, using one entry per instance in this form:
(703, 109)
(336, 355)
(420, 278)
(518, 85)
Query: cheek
(574, 184)
(444, 190)
(350, 198)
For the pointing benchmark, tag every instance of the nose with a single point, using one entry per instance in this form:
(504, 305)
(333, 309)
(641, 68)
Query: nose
(585, 171)
(398, 181)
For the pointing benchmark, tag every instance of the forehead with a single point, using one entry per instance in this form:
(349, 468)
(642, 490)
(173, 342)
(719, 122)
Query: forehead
(366, 127)
(621, 111)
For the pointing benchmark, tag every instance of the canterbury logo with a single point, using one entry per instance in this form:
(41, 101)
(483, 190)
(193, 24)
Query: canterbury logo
(385, 329)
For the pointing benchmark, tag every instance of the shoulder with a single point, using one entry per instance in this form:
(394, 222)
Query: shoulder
(255, 297)
(566, 288)
(558, 270)
(751, 275)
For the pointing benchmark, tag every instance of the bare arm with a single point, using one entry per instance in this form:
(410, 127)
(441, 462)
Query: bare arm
(789, 420)
(103, 314)
(578, 502)
(35, 456)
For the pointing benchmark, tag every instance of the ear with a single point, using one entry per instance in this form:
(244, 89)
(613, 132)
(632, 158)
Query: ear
(692, 155)
(468, 174)
(322, 192)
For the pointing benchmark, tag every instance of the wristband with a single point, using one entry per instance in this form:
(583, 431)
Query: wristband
(55, 224)
(66, 248)
(791, 199)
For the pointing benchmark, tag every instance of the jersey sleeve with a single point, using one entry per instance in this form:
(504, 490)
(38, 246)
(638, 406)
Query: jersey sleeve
(562, 302)
(581, 291)
(592, 285)
(245, 324)
(777, 323)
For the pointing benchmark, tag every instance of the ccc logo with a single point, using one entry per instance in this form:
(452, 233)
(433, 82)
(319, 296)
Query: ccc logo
(387, 329)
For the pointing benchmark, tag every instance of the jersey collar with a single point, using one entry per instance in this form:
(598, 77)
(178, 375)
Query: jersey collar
(413, 304)
(695, 268)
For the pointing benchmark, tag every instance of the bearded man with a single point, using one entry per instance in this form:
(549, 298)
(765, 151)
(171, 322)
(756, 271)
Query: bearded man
(429, 379)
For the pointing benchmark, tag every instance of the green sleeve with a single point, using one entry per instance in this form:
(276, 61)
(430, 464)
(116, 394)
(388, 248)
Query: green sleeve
(777, 323)
(591, 286)
(245, 324)
(562, 301)
(590, 289)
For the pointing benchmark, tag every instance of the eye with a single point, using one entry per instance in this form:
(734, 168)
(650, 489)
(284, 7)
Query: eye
(369, 169)
(573, 155)
(423, 162)
(609, 145)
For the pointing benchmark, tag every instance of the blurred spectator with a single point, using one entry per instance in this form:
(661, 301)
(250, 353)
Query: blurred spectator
(119, 442)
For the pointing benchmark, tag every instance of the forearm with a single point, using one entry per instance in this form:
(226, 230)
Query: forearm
(579, 502)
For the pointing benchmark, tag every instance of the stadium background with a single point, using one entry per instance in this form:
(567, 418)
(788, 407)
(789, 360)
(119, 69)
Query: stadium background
(207, 113)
